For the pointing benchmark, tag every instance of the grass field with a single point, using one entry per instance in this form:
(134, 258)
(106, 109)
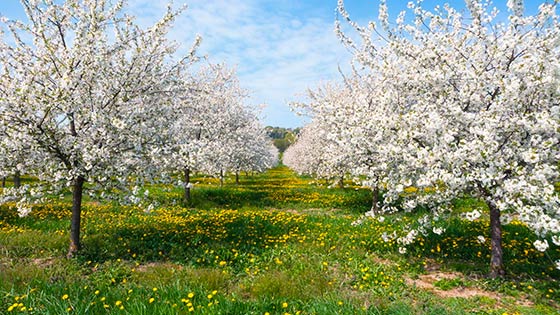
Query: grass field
(276, 244)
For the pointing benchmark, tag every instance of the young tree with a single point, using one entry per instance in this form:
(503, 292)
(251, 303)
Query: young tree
(472, 107)
(88, 88)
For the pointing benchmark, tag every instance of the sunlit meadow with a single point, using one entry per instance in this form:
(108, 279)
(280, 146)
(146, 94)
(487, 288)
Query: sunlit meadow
(275, 244)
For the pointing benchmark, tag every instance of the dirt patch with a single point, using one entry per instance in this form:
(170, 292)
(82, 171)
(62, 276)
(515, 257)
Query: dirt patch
(427, 282)
(43, 262)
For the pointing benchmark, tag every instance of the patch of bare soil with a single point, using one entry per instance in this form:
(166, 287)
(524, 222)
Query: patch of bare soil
(427, 282)
(43, 262)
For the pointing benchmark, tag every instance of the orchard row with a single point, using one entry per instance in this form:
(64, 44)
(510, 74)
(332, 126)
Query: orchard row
(90, 99)
(444, 104)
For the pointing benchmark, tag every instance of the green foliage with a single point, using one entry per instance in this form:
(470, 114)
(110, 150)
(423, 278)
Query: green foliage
(282, 137)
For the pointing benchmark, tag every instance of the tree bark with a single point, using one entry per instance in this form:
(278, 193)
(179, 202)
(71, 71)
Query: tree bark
(341, 182)
(77, 191)
(187, 185)
(221, 178)
(17, 179)
(3, 181)
(375, 200)
(496, 259)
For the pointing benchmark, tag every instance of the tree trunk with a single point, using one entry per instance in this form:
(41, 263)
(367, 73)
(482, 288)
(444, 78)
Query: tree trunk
(221, 178)
(3, 181)
(77, 190)
(237, 178)
(246, 174)
(375, 200)
(341, 182)
(17, 179)
(187, 185)
(496, 259)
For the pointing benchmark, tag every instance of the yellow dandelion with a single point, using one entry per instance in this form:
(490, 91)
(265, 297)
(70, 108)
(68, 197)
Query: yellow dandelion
(65, 297)
(151, 300)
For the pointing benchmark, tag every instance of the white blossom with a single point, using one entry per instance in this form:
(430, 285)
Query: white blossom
(481, 239)
(438, 230)
(541, 246)
(472, 215)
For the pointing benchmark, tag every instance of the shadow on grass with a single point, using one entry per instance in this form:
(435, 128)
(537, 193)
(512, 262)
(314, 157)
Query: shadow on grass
(200, 238)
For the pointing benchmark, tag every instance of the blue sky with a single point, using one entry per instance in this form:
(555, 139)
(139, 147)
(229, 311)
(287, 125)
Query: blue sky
(280, 48)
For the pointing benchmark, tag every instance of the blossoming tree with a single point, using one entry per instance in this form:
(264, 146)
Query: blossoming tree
(472, 104)
(88, 88)
(212, 130)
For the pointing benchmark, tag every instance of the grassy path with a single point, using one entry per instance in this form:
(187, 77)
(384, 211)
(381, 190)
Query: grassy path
(276, 244)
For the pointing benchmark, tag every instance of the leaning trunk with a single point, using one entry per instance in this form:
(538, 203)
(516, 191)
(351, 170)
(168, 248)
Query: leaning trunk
(187, 184)
(77, 190)
(17, 179)
(496, 259)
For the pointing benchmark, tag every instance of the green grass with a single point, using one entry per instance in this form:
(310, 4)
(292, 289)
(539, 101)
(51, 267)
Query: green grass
(276, 243)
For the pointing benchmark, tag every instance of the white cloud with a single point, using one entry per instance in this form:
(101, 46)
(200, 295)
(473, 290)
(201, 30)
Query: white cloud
(277, 52)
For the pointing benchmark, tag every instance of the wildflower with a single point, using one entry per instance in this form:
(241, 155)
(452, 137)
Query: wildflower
(65, 297)
(284, 305)
(151, 300)
(190, 295)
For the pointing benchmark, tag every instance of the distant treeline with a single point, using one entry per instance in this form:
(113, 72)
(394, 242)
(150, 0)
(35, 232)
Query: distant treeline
(282, 137)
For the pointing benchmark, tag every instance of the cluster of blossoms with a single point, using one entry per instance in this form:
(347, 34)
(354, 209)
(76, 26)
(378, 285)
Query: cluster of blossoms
(444, 104)
(89, 96)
